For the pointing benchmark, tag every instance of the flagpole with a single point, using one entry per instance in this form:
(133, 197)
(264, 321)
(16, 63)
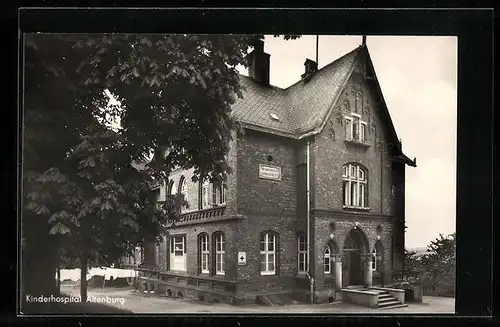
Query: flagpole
(317, 46)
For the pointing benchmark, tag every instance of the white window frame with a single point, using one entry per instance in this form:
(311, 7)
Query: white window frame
(204, 254)
(223, 191)
(177, 246)
(354, 186)
(355, 125)
(267, 252)
(205, 195)
(362, 131)
(327, 256)
(173, 190)
(175, 243)
(350, 121)
(220, 254)
(302, 254)
(185, 193)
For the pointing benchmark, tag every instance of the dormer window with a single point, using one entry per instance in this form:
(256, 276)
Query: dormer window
(355, 128)
(274, 116)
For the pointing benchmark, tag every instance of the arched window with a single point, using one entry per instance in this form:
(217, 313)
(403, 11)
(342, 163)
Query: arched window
(219, 194)
(374, 260)
(354, 186)
(205, 195)
(302, 253)
(183, 191)
(220, 250)
(327, 260)
(223, 191)
(171, 188)
(268, 244)
(204, 251)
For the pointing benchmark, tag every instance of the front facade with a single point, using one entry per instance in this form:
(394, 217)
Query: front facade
(315, 201)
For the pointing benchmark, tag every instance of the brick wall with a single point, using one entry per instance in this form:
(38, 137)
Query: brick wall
(261, 196)
(331, 152)
(344, 223)
(229, 228)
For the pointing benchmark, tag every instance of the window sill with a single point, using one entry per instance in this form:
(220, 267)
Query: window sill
(363, 144)
(268, 273)
(355, 208)
(220, 273)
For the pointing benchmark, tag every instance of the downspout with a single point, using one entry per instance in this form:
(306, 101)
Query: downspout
(308, 191)
(381, 178)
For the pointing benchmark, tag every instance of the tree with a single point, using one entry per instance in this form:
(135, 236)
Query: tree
(81, 189)
(413, 261)
(440, 259)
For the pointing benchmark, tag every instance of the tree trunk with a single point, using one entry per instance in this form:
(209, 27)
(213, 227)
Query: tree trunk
(83, 278)
(39, 261)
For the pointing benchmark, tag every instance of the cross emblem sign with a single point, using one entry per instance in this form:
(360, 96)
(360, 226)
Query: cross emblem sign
(242, 258)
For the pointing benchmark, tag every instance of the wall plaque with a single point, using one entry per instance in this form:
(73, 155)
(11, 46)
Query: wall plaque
(270, 172)
(242, 258)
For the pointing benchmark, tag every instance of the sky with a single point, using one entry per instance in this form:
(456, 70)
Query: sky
(418, 77)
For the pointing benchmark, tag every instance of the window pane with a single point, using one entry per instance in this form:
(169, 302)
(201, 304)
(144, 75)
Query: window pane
(345, 171)
(270, 245)
(271, 257)
(354, 194)
(302, 262)
(271, 266)
(353, 172)
(346, 193)
(362, 132)
(348, 126)
(262, 262)
(362, 195)
(361, 174)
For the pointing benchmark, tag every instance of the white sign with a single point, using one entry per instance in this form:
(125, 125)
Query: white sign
(270, 172)
(242, 258)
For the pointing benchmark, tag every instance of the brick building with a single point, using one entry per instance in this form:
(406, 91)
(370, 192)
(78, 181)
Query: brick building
(315, 199)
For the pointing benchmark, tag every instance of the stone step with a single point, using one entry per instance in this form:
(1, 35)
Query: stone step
(399, 305)
(265, 300)
(384, 295)
(388, 299)
(389, 303)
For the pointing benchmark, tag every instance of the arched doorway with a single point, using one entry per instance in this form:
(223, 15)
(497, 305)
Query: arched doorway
(353, 259)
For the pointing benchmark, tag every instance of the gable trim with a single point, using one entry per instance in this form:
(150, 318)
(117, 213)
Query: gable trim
(334, 102)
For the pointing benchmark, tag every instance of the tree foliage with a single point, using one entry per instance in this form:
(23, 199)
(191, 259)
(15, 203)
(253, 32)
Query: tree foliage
(438, 263)
(81, 181)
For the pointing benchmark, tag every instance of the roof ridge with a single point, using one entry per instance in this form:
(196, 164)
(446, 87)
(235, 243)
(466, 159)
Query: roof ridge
(327, 65)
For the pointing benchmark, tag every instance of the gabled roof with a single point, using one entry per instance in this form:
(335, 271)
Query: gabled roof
(303, 108)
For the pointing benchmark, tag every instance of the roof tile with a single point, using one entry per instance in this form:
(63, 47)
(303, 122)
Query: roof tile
(301, 107)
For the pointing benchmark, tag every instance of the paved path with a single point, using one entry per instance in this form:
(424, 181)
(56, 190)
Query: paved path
(140, 303)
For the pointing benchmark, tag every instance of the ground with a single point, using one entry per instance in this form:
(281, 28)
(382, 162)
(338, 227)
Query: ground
(141, 303)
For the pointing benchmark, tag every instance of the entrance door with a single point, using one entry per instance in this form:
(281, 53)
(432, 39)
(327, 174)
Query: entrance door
(355, 246)
(355, 268)
(178, 253)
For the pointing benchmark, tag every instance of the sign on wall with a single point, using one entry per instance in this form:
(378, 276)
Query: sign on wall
(242, 258)
(270, 172)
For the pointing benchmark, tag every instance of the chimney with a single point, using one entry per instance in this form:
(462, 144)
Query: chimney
(258, 63)
(311, 67)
